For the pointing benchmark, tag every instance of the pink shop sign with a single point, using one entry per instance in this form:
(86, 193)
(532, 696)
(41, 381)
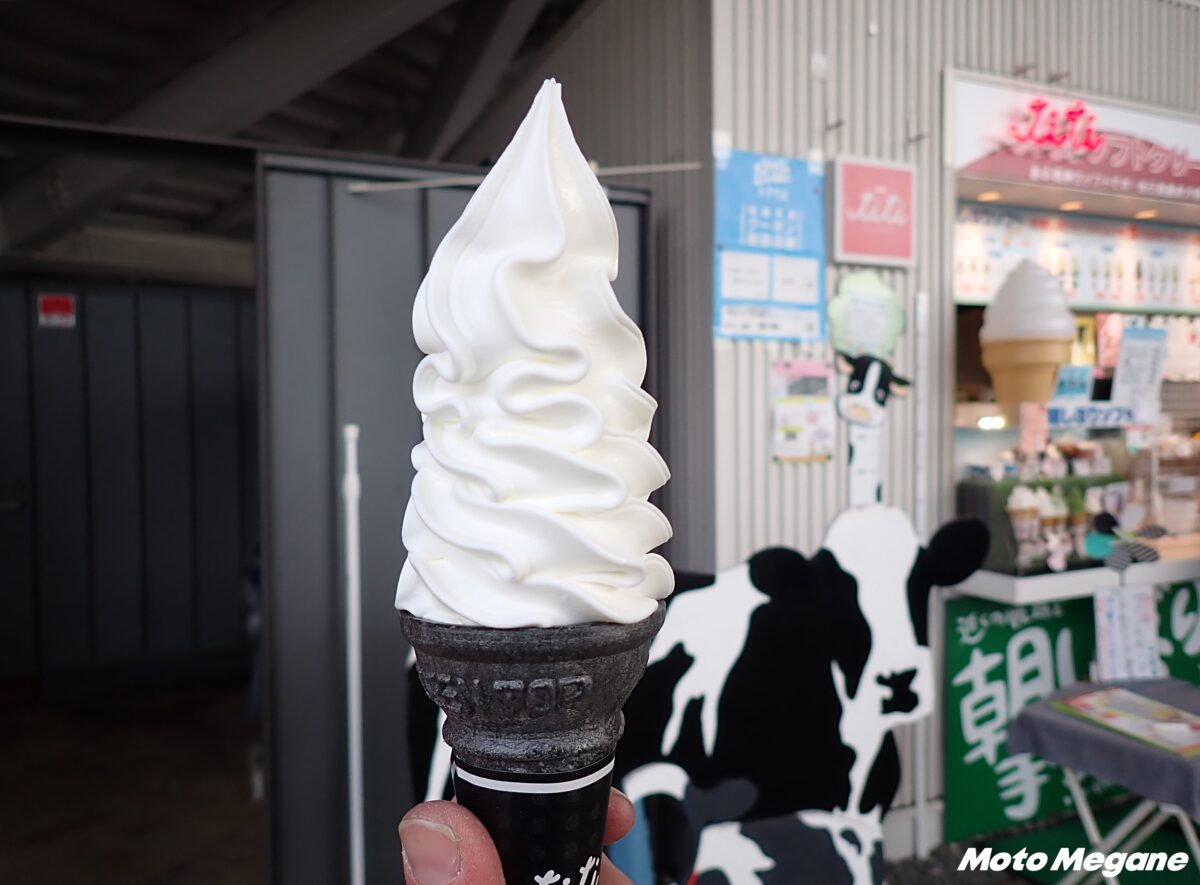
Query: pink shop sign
(874, 212)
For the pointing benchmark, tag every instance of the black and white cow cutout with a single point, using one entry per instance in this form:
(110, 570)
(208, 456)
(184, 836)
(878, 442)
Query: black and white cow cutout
(761, 735)
(863, 407)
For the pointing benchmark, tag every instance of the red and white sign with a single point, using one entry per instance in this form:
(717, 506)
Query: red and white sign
(56, 311)
(1014, 132)
(874, 205)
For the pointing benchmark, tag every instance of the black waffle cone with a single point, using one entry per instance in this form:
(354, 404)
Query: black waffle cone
(533, 716)
(531, 700)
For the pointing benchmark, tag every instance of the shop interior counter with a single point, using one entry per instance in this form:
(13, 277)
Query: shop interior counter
(1015, 590)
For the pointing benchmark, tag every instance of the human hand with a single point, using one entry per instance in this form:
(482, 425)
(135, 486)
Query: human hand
(444, 844)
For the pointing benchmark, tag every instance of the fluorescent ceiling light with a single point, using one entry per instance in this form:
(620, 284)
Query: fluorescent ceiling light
(989, 196)
(1071, 206)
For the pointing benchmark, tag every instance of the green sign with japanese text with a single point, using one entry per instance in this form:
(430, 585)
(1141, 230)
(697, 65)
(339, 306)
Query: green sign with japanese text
(1000, 658)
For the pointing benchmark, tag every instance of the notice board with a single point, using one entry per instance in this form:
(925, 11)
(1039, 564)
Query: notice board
(769, 248)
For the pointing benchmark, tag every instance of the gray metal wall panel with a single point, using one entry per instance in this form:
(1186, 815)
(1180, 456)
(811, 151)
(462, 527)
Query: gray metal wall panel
(340, 275)
(379, 248)
(61, 481)
(167, 471)
(133, 469)
(305, 658)
(443, 206)
(213, 330)
(116, 489)
(18, 608)
(629, 283)
(637, 81)
(248, 423)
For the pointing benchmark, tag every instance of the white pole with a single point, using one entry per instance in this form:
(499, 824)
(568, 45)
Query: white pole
(921, 508)
(351, 495)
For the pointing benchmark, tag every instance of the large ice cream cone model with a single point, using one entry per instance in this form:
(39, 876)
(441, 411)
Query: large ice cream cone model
(531, 593)
(1026, 335)
(1024, 371)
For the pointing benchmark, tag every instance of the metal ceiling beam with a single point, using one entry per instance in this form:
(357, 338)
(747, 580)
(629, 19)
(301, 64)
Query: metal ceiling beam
(144, 254)
(233, 214)
(487, 40)
(287, 54)
(61, 65)
(522, 77)
(199, 44)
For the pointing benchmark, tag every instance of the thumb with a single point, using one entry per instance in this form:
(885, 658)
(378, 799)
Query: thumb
(444, 844)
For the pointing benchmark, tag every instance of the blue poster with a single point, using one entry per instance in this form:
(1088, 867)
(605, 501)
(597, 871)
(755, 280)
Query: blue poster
(769, 248)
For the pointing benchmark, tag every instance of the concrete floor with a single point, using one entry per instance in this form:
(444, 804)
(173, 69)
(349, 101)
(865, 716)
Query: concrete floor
(153, 789)
(941, 868)
(147, 789)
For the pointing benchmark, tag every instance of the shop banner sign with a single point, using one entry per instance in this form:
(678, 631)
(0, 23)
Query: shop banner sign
(874, 212)
(1024, 133)
(1090, 416)
(1000, 658)
(769, 248)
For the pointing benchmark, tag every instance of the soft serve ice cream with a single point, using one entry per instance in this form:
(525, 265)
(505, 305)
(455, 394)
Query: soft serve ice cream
(1026, 334)
(529, 506)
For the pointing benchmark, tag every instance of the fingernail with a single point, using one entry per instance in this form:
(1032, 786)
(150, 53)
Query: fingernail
(430, 851)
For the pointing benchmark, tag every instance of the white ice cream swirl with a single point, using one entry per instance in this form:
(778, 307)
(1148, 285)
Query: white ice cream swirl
(529, 506)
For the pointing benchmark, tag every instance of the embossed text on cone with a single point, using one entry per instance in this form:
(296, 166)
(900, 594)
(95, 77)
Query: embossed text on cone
(534, 715)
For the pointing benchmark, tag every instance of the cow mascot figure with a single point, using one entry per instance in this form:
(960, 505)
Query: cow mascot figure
(761, 738)
(761, 735)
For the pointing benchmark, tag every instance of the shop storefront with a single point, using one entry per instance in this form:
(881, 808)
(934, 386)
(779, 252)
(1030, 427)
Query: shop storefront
(1103, 197)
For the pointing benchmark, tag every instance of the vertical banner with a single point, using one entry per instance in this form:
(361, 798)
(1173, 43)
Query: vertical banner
(1127, 633)
(1000, 658)
(769, 248)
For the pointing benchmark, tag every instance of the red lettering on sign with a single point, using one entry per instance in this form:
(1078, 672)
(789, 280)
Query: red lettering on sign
(1045, 125)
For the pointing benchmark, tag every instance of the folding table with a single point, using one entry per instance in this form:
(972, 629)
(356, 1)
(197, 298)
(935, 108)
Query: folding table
(1168, 782)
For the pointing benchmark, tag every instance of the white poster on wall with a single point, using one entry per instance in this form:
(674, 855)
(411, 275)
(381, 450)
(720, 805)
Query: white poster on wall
(1137, 382)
